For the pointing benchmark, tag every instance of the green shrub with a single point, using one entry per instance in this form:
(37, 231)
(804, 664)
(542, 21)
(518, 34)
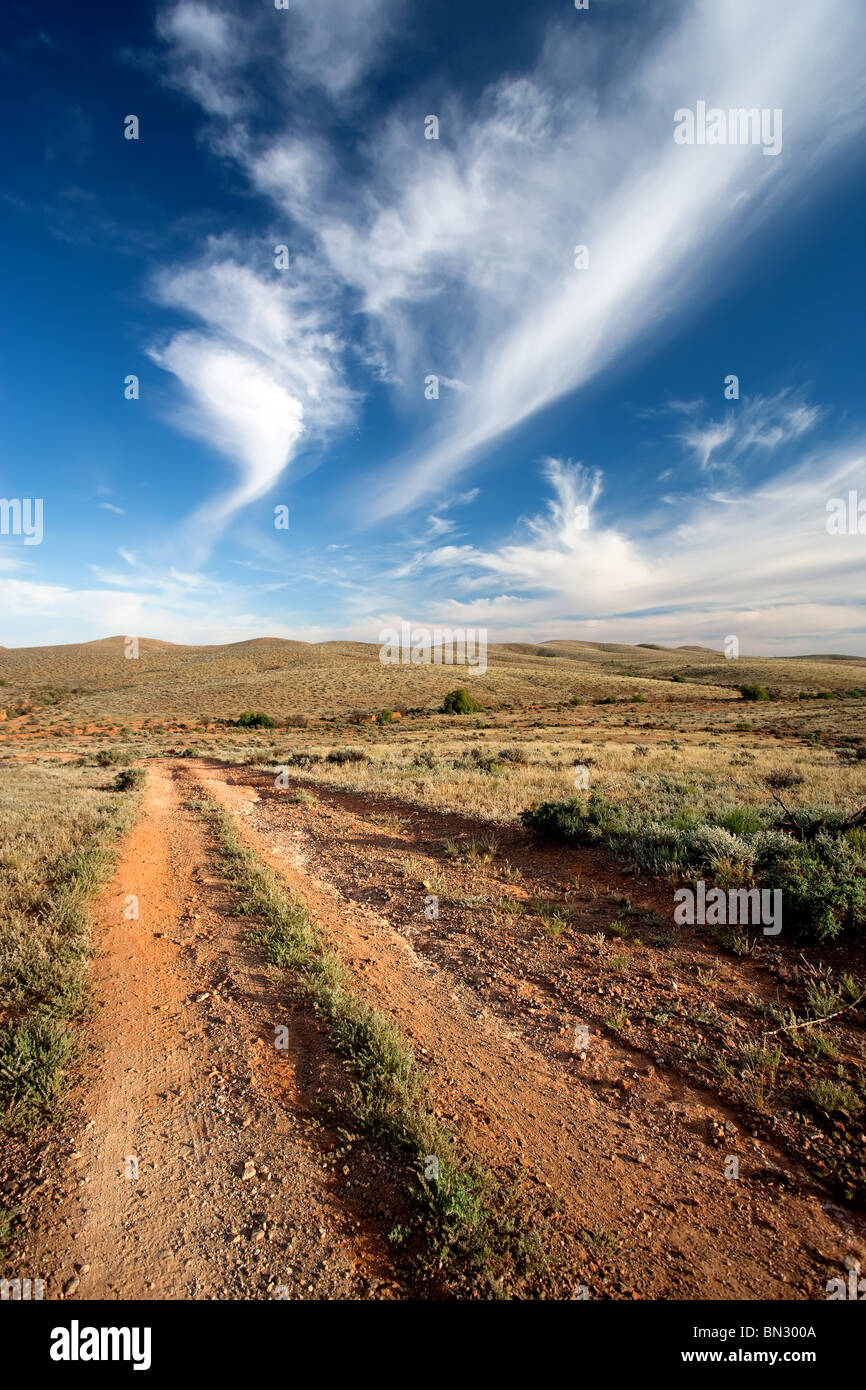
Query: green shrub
(739, 819)
(460, 702)
(754, 692)
(251, 720)
(130, 779)
(831, 1096)
(857, 839)
(821, 882)
(385, 716)
(34, 1057)
(576, 821)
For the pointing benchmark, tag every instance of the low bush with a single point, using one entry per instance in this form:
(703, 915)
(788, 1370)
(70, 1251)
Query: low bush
(347, 755)
(460, 702)
(130, 779)
(740, 819)
(113, 757)
(576, 821)
(754, 692)
(251, 720)
(817, 862)
(425, 759)
(821, 882)
(513, 755)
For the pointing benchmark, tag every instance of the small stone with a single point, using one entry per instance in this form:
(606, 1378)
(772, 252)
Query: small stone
(71, 1285)
(249, 1171)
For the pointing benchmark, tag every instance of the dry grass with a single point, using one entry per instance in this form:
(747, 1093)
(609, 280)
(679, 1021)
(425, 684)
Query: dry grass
(57, 829)
(467, 774)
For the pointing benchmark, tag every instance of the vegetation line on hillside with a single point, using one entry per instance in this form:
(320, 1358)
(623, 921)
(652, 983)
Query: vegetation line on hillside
(56, 855)
(471, 1223)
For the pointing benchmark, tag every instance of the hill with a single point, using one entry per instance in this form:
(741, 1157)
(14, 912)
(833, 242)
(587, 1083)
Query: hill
(90, 682)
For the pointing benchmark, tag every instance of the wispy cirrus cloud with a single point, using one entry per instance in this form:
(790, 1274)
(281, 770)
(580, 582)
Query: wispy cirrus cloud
(758, 423)
(458, 252)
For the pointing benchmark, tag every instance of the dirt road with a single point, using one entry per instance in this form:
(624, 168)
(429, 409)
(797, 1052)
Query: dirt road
(199, 1166)
(205, 1163)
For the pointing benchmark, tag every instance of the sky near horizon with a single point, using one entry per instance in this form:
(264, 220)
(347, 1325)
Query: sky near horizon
(339, 309)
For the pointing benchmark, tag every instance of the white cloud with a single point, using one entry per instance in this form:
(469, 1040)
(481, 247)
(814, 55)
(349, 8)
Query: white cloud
(262, 377)
(438, 526)
(760, 557)
(757, 423)
(333, 45)
(205, 46)
(460, 250)
(240, 409)
(212, 50)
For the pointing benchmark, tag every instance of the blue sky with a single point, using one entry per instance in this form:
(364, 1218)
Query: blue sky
(581, 473)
